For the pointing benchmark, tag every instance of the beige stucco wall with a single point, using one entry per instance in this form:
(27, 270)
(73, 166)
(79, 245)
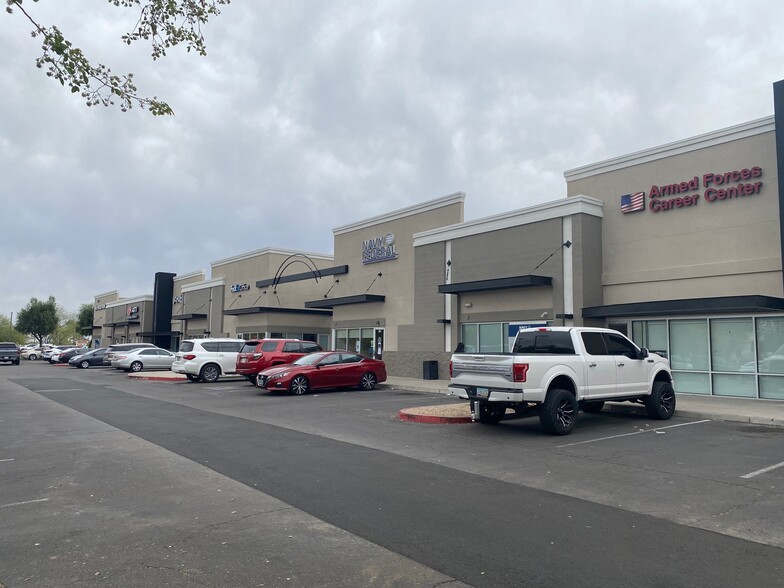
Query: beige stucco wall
(397, 280)
(723, 248)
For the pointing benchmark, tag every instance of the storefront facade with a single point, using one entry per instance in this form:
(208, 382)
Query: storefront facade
(678, 246)
(691, 257)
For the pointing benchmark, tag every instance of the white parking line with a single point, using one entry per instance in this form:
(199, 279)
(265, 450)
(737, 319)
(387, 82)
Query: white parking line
(25, 502)
(9, 459)
(635, 433)
(764, 470)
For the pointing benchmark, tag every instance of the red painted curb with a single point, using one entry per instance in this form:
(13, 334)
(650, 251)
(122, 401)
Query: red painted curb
(432, 419)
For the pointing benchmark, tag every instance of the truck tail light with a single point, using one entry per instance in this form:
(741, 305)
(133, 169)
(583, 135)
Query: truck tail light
(189, 357)
(519, 371)
(258, 356)
(450, 368)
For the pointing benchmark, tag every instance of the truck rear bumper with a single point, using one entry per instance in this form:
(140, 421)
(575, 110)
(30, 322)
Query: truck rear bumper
(485, 394)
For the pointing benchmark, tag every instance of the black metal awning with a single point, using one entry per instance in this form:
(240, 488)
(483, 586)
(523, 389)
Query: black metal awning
(528, 281)
(337, 270)
(188, 317)
(159, 334)
(715, 305)
(356, 299)
(273, 309)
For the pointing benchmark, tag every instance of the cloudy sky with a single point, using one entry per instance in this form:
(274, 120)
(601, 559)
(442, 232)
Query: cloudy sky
(309, 115)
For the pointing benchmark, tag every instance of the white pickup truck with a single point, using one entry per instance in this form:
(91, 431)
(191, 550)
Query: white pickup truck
(559, 371)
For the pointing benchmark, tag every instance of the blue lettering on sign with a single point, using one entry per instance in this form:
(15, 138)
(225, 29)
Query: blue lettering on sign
(240, 287)
(379, 249)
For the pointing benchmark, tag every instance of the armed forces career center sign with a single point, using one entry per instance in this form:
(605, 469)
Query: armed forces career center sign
(710, 188)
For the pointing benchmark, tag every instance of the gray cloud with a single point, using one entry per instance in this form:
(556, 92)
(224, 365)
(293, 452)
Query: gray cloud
(305, 116)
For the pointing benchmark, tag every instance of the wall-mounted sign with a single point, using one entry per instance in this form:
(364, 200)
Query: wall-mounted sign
(379, 249)
(132, 311)
(714, 187)
(177, 299)
(240, 287)
(100, 306)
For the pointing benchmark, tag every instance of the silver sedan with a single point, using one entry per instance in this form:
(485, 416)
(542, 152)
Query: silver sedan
(146, 358)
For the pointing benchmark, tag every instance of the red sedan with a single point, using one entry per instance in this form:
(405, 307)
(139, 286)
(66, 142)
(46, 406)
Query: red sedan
(324, 369)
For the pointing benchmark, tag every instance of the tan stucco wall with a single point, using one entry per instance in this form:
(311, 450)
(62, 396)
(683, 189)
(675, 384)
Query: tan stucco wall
(397, 280)
(721, 248)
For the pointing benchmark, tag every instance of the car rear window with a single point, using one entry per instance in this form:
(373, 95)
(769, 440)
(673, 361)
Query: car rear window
(249, 348)
(545, 342)
(186, 346)
(310, 347)
(230, 346)
(7, 345)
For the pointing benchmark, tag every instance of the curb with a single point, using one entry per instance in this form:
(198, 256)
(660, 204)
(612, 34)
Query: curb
(429, 415)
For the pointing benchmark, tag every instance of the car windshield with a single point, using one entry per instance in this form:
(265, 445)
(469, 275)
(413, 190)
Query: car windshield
(311, 359)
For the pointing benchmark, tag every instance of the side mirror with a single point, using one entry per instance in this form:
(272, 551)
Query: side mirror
(643, 353)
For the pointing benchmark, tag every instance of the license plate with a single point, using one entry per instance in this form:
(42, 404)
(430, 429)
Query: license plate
(482, 392)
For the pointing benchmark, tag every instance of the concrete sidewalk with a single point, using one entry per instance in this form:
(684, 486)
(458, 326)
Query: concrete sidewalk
(718, 408)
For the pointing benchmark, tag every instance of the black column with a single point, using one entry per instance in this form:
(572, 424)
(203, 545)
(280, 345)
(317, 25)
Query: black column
(163, 292)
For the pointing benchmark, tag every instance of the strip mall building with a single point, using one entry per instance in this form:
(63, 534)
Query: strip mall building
(679, 246)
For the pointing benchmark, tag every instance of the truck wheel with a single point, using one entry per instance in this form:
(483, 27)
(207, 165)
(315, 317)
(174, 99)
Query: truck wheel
(558, 413)
(491, 413)
(661, 403)
(592, 407)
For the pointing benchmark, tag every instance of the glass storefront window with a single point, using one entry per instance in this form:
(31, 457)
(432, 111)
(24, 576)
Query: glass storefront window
(689, 344)
(366, 342)
(734, 385)
(651, 334)
(470, 338)
(691, 383)
(770, 345)
(732, 345)
(341, 339)
(771, 387)
(491, 338)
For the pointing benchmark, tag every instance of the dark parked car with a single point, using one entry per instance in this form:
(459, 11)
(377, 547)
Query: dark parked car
(324, 369)
(10, 352)
(66, 355)
(91, 358)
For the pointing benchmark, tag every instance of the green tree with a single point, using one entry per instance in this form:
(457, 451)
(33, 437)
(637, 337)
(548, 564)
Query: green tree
(163, 23)
(85, 318)
(8, 331)
(38, 319)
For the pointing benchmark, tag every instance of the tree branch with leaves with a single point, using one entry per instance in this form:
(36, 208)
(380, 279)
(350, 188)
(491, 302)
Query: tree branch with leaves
(162, 23)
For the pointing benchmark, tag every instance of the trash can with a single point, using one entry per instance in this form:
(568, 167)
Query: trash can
(430, 370)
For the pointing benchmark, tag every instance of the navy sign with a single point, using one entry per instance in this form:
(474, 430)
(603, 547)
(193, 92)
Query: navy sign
(379, 249)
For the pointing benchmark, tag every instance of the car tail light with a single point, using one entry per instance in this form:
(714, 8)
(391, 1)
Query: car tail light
(450, 368)
(519, 371)
(119, 357)
(258, 355)
(189, 357)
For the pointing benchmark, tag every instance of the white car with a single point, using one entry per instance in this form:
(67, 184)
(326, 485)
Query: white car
(207, 360)
(33, 353)
(143, 358)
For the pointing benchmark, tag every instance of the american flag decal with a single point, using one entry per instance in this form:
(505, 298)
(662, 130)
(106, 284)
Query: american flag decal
(633, 202)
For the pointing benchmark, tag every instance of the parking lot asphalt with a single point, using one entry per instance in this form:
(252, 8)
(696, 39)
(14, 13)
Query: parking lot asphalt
(718, 408)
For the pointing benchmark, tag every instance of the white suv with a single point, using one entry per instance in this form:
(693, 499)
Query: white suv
(207, 359)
